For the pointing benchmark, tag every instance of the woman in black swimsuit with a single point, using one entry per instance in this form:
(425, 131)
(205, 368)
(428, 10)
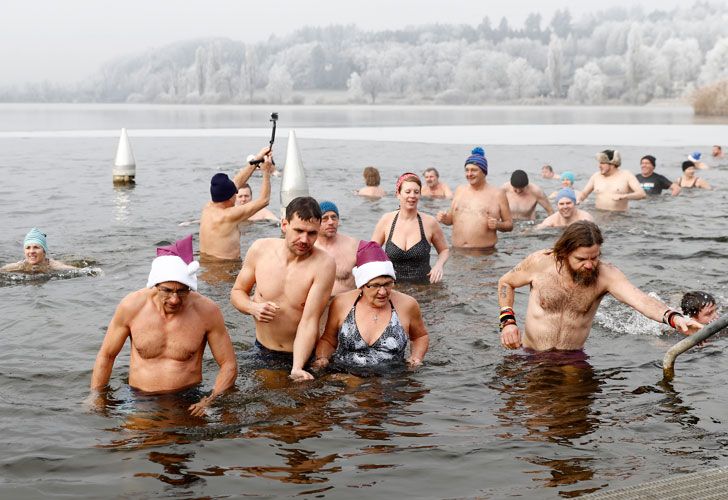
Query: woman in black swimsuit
(408, 236)
(689, 180)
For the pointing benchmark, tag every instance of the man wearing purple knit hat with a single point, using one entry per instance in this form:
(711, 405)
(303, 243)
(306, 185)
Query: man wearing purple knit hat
(478, 209)
(169, 325)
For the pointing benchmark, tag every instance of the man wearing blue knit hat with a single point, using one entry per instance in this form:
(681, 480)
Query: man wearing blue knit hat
(567, 212)
(478, 209)
(36, 260)
(340, 246)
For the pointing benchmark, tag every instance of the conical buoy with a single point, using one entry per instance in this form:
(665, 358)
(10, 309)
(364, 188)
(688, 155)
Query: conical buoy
(124, 169)
(294, 182)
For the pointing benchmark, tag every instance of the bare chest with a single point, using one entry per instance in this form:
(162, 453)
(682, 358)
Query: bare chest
(284, 284)
(554, 297)
(177, 339)
(611, 184)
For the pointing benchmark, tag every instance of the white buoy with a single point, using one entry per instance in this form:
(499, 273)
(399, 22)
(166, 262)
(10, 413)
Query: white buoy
(124, 169)
(294, 183)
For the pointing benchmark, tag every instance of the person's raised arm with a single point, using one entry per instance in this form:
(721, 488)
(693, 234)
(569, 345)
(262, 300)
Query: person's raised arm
(621, 289)
(9, 268)
(445, 216)
(308, 327)
(443, 251)
(116, 334)
(517, 277)
(222, 350)
(244, 173)
(57, 265)
(586, 191)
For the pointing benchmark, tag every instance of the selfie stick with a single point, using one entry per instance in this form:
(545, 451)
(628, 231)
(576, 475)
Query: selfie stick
(274, 119)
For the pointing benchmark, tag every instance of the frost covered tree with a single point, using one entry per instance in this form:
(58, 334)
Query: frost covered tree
(355, 92)
(372, 82)
(249, 73)
(523, 79)
(589, 84)
(555, 66)
(637, 63)
(280, 84)
(716, 63)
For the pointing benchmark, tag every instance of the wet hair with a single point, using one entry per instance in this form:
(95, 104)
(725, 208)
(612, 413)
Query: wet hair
(650, 159)
(305, 207)
(548, 167)
(519, 179)
(582, 233)
(371, 176)
(246, 186)
(693, 302)
(408, 177)
(687, 164)
(432, 169)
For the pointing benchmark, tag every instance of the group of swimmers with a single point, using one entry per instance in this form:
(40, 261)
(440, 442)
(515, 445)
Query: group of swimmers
(288, 284)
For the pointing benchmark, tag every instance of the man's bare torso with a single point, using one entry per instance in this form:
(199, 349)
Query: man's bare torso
(287, 284)
(470, 211)
(166, 354)
(560, 313)
(606, 187)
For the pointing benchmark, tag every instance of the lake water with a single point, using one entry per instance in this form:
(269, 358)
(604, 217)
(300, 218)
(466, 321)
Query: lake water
(474, 421)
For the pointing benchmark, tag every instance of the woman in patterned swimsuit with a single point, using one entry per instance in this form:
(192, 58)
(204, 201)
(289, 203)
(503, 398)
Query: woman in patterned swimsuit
(371, 326)
(410, 235)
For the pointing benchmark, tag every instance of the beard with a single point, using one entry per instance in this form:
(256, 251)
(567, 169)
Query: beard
(584, 277)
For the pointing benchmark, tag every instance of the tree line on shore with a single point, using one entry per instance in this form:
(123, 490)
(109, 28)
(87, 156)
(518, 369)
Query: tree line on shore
(615, 56)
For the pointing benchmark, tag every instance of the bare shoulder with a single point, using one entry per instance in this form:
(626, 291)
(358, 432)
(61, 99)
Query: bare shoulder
(134, 302)
(537, 261)
(343, 302)
(262, 245)
(322, 257)
(610, 273)
(404, 302)
(350, 241)
(205, 305)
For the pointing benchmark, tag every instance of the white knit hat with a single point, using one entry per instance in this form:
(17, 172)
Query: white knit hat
(173, 268)
(371, 262)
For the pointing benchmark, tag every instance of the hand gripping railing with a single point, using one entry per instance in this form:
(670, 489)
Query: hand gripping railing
(668, 362)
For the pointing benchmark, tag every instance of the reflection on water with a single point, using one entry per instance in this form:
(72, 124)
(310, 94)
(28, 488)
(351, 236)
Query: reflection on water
(548, 397)
(122, 207)
(372, 409)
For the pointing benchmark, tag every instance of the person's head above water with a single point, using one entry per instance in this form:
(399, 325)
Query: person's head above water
(222, 188)
(371, 176)
(35, 247)
(688, 164)
(35, 236)
(647, 165)
(519, 180)
(700, 306)
(609, 157)
(568, 176)
(477, 158)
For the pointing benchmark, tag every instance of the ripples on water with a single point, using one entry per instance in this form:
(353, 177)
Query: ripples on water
(474, 421)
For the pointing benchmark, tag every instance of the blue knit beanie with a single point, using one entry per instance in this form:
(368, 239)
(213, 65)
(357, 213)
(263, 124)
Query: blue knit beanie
(477, 158)
(328, 206)
(566, 193)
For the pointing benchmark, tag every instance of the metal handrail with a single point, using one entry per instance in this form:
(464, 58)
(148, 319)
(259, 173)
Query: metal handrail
(668, 362)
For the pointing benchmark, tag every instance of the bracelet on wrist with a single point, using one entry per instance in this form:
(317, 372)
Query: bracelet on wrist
(669, 317)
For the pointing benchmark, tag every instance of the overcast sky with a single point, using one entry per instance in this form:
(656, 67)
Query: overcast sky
(67, 40)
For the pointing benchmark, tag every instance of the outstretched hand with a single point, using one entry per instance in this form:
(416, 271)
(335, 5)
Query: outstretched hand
(299, 375)
(198, 409)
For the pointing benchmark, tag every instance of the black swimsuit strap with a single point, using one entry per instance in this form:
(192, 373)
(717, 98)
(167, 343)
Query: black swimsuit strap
(394, 223)
(423, 235)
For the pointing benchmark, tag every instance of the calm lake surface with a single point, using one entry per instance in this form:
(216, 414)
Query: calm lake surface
(474, 421)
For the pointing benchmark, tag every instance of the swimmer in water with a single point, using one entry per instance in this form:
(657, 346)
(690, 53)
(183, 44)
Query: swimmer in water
(567, 212)
(245, 195)
(524, 196)
(35, 250)
(700, 306)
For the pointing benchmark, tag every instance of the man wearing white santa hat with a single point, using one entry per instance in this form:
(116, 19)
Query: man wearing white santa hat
(169, 324)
